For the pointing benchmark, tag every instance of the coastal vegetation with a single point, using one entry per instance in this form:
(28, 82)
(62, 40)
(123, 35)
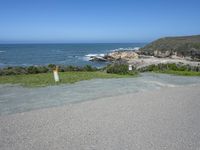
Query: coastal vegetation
(172, 66)
(121, 69)
(46, 79)
(42, 69)
(39, 76)
(176, 69)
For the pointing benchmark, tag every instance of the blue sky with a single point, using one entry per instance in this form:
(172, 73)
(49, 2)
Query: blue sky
(86, 21)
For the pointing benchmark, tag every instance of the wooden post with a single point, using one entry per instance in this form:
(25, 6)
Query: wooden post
(130, 68)
(55, 73)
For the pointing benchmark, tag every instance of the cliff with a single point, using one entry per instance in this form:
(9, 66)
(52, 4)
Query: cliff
(185, 46)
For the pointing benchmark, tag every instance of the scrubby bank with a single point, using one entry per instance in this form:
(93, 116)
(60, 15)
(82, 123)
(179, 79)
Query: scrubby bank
(42, 69)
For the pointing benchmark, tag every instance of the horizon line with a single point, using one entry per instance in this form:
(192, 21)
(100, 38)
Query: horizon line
(75, 43)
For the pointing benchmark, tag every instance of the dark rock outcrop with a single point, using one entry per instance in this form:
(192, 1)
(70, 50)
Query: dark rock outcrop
(94, 58)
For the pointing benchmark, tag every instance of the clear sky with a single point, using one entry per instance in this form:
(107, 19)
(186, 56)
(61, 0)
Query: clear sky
(86, 21)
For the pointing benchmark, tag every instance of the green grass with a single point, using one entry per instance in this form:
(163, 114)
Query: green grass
(46, 79)
(180, 73)
(175, 69)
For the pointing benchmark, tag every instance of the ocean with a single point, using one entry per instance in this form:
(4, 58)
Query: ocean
(60, 54)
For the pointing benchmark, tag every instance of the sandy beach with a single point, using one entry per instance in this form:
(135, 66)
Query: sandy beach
(167, 118)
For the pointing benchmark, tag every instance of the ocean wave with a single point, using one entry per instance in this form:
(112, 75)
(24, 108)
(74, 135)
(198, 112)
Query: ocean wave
(88, 56)
(2, 51)
(126, 49)
(94, 55)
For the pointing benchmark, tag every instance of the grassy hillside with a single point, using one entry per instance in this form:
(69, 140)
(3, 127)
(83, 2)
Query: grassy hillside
(182, 46)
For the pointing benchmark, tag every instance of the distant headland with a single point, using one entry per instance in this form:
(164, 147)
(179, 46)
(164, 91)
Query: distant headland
(183, 50)
(183, 46)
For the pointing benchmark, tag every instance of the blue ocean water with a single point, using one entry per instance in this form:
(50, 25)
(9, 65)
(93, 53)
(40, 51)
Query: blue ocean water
(65, 54)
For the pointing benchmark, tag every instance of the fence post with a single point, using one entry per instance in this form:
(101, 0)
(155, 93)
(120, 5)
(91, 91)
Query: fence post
(130, 68)
(56, 76)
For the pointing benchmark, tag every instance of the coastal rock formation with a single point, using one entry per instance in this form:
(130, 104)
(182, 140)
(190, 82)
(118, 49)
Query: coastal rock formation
(161, 54)
(117, 55)
(98, 58)
(170, 50)
(188, 46)
(125, 55)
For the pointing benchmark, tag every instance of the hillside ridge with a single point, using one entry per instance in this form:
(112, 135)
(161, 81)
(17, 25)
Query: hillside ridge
(181, 46)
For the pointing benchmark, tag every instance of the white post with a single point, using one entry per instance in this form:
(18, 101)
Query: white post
(55, 73)
(130, 68)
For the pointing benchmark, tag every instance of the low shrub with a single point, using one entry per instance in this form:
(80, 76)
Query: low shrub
(42, 69)
(121, 69)
(13, 71)
(32, 70)
(173, 67)
(51, 66)
(89, 68)
(70, 68)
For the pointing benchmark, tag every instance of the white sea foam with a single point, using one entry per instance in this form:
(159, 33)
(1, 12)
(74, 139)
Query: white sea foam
(136, 48)
(126, 49)
(95, 55)
(88, 56)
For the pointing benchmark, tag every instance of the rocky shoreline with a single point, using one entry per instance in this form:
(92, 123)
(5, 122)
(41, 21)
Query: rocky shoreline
(138, 60)
(116, 55)
(183, 50)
